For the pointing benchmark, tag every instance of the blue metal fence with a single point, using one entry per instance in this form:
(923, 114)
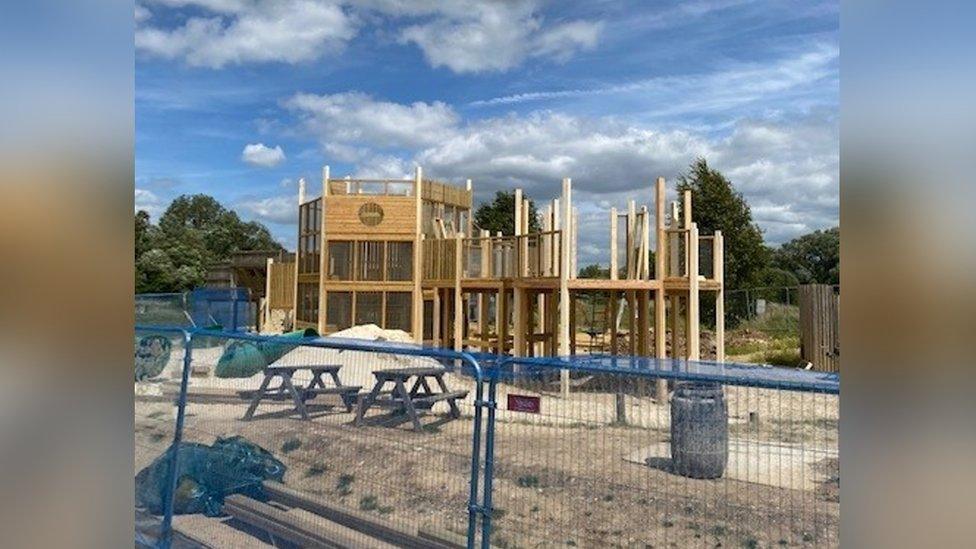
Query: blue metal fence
(231, 309)
(558, 469)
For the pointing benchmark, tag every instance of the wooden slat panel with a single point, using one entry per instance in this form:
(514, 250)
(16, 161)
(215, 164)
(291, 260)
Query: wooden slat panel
(282, 277)
(819, 342)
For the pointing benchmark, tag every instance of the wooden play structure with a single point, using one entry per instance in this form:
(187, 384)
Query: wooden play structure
(406, 254)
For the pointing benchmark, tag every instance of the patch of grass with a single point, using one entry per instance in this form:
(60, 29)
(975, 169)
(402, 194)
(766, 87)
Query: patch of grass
(534, 509)
(156, 437)
(750, 543)
(497, 513)
(368, 503)
(316, 470)
(783, 542)
(291, 445)
(667, 523)
(778, 319)
(528, 481)
(608, 497)
(718, 530)
(344, 485)
(432, 428)
(157, 413)
(783, 357)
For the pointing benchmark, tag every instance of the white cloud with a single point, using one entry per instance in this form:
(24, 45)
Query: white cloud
(787, 169)
(462, 35)
(141, 13)
(354, 119)
(148, 201)
(258, 154)
(277, 209)
(727, 88)
(497, 36)
(235, 32)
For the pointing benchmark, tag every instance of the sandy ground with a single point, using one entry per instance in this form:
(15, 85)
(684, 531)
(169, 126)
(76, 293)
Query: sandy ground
(572, 475)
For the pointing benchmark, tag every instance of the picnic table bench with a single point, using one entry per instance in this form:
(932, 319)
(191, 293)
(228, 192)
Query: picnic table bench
(300, 395)
(419, 398)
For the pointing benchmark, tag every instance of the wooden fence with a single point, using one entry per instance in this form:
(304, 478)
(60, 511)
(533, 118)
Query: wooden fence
(819, 334)
(281, 286)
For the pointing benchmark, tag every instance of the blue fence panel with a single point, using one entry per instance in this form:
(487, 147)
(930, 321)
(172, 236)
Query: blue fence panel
(525, 464)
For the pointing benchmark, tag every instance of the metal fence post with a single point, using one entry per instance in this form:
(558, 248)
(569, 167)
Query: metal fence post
(166, 534)
(489, 458)
(473, 508)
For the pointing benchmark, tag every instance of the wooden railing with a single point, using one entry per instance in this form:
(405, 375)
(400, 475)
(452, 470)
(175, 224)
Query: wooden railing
(432, 190)
(494, 257)
(374, 187)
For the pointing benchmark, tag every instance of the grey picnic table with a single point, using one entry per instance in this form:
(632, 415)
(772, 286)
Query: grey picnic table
(420, 397)
(300, 395)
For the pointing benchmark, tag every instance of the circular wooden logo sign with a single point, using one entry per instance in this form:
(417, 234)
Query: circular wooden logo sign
(371, 214)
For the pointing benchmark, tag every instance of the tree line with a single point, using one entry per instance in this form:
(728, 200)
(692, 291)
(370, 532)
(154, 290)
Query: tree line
(193, 233)
(196, 231)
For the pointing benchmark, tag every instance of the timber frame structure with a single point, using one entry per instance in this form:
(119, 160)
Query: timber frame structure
(406, 254)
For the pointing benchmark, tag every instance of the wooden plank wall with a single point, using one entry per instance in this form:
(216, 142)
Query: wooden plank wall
(282, 284)
(819, 341)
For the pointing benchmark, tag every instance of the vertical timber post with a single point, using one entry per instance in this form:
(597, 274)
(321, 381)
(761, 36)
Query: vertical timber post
(564, 304)
(417, 305)
(718, 270)
(694, 324)
(323, 251)
(298, 249)
(660, 319)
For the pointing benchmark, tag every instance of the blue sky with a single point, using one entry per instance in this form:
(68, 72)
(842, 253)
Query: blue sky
(238, 99)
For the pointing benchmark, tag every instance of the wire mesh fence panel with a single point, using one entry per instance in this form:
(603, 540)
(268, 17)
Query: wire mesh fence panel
(296, 464)
(159, 359)
(738, 463)
(161, 310)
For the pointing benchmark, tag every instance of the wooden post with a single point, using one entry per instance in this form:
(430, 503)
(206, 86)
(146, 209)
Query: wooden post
(436, 317)
(518, 294)
(564, 286)
(298, 249)
(417, 309)
(470, 229)
(613, 243)
(660, 320)
(573, 235)
(323, 252)
(266, 309)
(631, 223)
(718, 270)
(694, 324)
(645, 244)
(675, 250)
(458, 296)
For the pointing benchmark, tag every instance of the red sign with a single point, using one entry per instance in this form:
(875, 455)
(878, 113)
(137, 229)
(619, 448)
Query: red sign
(523, 403)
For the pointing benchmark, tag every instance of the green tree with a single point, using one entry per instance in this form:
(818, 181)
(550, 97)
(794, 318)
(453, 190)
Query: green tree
(499, 215)
(594, 271)
(194, 232)
(717, 206)
(812, 258)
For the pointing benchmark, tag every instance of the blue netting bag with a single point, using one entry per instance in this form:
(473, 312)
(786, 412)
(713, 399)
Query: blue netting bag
(207, 474)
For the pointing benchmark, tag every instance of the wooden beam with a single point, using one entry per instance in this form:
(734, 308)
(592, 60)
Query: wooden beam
(718, 270)
(573, 241)
(564, 304)
(459, 311)
(645, 243)
(660, 319)
(694, 324)
(298, 248)
(417, 305)
(323, 251)
(614, 221)
(631, 239)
